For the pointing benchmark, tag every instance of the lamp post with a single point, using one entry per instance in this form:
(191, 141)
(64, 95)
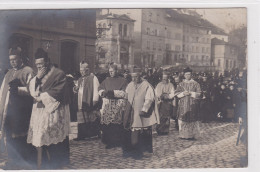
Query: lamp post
(100, 30)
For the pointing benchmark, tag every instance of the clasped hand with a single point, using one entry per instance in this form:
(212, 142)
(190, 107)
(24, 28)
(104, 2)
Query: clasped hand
(186, 93)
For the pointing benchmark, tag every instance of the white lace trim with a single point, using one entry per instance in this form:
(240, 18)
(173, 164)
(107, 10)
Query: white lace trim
(49, 102)
(48, 128)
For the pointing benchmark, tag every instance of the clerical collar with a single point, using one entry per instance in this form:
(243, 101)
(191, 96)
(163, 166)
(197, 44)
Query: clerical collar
(188, 80)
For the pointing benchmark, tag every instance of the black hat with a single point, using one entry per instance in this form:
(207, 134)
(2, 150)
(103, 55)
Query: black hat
(40, 53)
(187, 69)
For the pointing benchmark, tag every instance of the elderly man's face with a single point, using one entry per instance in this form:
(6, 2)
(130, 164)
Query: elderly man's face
(84, 71)
(112, 72)
(40, 63)
(136, 78)
(187, 75)
(165, 79)
(15, 61)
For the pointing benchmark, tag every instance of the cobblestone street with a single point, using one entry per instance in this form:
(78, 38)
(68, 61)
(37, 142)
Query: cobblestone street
(214, 149)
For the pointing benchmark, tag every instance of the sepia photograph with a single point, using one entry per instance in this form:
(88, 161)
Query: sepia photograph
(123, 88)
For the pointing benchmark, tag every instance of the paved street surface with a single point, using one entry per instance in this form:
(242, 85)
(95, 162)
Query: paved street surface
(214, 149)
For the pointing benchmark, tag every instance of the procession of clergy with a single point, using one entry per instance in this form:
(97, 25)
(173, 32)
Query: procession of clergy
(36, 110)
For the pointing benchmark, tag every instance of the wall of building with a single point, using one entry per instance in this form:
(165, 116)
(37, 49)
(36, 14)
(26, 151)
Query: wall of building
(225, 57)
(196, 45)
(54, 27)
(117, 45)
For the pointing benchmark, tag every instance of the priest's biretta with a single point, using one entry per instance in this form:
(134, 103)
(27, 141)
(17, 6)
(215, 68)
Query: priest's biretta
(187, 69)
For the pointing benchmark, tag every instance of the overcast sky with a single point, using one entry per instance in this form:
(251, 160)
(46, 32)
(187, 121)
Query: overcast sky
(225, 18)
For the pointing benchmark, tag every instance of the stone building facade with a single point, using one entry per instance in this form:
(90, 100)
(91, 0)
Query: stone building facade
(168, 37)
(115, 42)
(224, 54)
(67, 35)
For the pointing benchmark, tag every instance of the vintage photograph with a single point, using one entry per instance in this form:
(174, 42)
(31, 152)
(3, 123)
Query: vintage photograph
(144, 88)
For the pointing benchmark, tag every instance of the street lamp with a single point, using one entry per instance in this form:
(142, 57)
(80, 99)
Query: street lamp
(100, 30)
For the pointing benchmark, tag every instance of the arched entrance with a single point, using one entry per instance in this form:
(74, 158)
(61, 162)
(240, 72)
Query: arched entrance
(68, 56)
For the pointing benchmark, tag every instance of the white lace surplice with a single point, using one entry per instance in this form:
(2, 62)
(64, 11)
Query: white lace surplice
(50, 124)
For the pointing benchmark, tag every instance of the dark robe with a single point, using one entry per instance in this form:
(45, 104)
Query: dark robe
(54, 139)
(205, 102)
(221, 100)
(88, 117)
(112, 111)
(15, 117)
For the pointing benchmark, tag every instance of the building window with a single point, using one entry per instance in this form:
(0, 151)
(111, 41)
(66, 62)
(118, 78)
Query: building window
(235, 64)
(208, 50)
(168, 46)
(197, 49)
(150, 16)
(219, 62)
(192, 58)
(155, 32)
(197, 57)
(169, 34)
(120, 29)
(193, 49)
(159, 47)
(230, 64)
(183, 47)
(148, 31)
(203, 49)
(226, 64)
(202, 58)
(177, 47)
(197, 39)
(125, 30)
(148, 45)
(154, 45)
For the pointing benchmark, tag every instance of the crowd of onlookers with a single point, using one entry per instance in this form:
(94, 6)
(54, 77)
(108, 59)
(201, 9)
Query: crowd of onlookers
(224, 95)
